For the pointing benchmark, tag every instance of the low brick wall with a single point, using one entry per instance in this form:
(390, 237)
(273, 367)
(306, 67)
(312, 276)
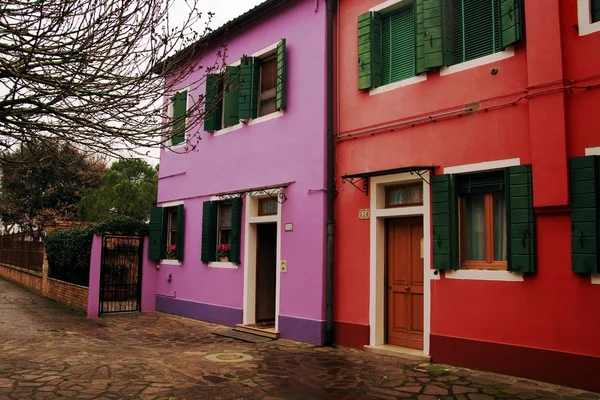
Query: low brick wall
(74, 296)
(32, 280)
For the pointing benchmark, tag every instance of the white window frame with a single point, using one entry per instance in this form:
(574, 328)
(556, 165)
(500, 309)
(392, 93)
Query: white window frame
(170, 115)
(163, 206)
(386, 8)
(218, 264)
(482, 274)
(584, 18)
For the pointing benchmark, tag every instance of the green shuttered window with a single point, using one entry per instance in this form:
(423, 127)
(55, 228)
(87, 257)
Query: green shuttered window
(427, 34)
(213, 105)
(221, 224)
(484, 221)
(166, 233)
(584, 179)
(179, 117)
(476, 30)
(398, 46)
(595, 4)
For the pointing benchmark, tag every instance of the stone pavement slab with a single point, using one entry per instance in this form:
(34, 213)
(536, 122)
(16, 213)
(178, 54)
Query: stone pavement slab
(49, 352)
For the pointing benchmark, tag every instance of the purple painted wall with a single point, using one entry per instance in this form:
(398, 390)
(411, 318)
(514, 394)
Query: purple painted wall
(94, 284)
(148, 301)
(291, 148)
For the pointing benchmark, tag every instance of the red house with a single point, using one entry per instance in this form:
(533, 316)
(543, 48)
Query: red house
(468, 181)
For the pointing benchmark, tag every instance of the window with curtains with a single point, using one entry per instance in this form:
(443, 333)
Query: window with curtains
(482, 221)
(475, 28)
(398, 45)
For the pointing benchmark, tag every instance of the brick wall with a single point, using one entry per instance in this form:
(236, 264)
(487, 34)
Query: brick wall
(74, 296)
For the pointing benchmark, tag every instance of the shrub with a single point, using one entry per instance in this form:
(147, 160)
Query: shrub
(68, 251)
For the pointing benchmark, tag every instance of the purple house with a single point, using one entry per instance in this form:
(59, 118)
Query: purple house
(256, 184)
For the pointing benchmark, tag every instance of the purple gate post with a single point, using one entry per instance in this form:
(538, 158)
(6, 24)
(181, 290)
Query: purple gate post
(94, 283)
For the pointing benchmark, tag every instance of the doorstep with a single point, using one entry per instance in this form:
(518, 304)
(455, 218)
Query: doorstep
(398, 351)
(265, 332)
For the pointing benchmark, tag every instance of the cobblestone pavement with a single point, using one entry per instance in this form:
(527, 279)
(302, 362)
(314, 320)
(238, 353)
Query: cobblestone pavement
(48, 352)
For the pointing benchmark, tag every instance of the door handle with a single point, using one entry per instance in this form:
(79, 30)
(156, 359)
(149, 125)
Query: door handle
(407, 288)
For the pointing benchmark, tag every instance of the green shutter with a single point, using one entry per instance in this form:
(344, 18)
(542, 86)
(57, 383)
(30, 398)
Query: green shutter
(179, 117)
(232, 93)
(448, 32)
(445, 222)
(521, 220)
(583, 176)
(595, 10)
(433, 27)
(209, 230)
(249, 88)
(369, 50)
(236, 229)
(280, 88)
(511, 12)
(476, 31)
(398, 46)
(156, 233)
(419, 38)
(212, 103)
(180, 233)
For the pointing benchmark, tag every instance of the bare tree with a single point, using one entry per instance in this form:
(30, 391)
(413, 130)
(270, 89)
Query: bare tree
(94, 72)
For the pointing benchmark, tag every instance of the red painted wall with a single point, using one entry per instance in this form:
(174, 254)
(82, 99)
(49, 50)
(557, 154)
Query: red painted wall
(553, 310)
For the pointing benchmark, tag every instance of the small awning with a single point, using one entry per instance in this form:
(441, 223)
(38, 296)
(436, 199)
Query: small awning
(273, 191)
(353, 179)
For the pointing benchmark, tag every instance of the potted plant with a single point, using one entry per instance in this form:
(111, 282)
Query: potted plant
(170, 253)
(223, 252)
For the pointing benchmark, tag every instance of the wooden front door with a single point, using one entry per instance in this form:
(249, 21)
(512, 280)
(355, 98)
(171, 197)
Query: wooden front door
(404, 261)
(266, 270)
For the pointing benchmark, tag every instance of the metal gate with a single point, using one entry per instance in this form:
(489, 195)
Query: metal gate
(121, 273)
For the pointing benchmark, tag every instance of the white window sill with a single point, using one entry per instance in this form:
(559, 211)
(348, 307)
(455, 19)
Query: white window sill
(224, 265)
(586, 29)
(228, 129)
(584, 18)
(170, 262)
(399, 84)
(595, 279)
(265, 118)
(177, 146)
(478, 62)
(485, 275)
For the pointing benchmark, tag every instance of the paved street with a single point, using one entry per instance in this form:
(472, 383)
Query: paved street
(48, 352)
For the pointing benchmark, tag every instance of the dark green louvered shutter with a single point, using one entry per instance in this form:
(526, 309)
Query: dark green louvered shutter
(398, 46)
(476, 31)
(445, 222)
(369, 50)
(180, 233)
(232, 93)
(280, 88)
(212, 103)
(155, 244)
(433, 34)
(583, 176)
(179, 117)
(236, 230)
(595, 10)
(249, 88)
(419, 38)
(209, 230)
(511, 21)
(521, 220)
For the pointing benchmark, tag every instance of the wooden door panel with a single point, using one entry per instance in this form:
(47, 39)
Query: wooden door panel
(266, 270)
(405, 276)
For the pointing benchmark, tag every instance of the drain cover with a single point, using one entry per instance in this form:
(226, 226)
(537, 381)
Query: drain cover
(229, 357)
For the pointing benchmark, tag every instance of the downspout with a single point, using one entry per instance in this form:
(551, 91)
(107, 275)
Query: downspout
(331, 5)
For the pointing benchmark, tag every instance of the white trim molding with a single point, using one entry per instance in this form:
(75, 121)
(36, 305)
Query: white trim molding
(478, 62)
(232, 128)
(584, 18)
(250, 241)
(222, 265)
(377, 283)
(390, 5)
(171, 204)
(482, 166)
(399, 84)
(484, 275)
(170, 262)
(595, 279)
(265, 118)
(592, 151)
